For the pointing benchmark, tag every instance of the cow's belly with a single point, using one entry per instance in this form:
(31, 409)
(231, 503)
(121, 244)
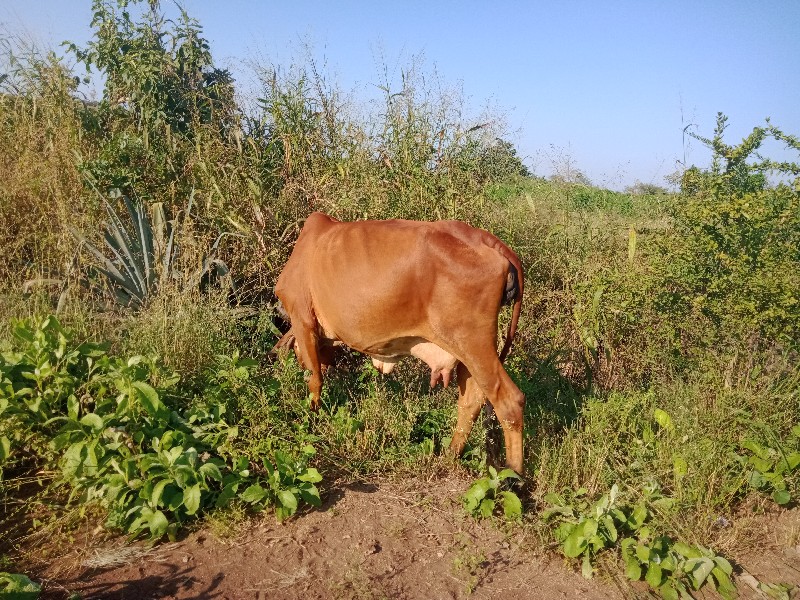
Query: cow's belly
(387, 353)
(440, 361)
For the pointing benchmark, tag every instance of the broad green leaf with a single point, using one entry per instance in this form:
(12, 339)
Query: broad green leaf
(486, 508)
(5, 449)
(311, 475)
(227, 493)
(575, 544)
(756, 449)
(158, 524)
(755, 479)
(589, 528)
(796, 431)
(638, 516)
(633, 570)
(288, 501)
(679, 466)
(557, 510)
(586, 566)
(686, 550)
(90, 462)
(643, 553)
(654, 575)
(148, 398)
(158, 490)
(725, 586)
(781, 497)
(760, 464)
(508, 474)
(93, 421)
(173, 498)
(698, 570)
(723, 565)
(73, 406)
(552, 498)
(73, 458)
(610, 528)
(512, 507)
(793, 460)
(663, 419)
(477, 492)
(668, 592)
(210, 470)
(191, 499)
(15, 586)
(255, 493)
(310, 495)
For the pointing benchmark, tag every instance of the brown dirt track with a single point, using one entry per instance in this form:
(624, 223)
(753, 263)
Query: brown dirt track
(408, 539)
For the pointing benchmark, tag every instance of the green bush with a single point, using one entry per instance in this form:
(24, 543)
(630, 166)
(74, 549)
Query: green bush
(121, 434)
(733, 261)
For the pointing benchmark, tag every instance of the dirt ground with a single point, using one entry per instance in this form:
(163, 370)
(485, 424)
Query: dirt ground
(407, 540)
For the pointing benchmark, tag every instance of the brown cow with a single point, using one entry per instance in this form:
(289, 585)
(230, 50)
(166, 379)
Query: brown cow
(397, 288)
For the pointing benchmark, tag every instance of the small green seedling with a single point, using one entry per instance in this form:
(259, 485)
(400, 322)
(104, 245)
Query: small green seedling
(485, 496)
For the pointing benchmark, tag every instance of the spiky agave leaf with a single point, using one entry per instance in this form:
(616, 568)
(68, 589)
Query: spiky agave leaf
(143, 236)
(126, 250)
(104, 265)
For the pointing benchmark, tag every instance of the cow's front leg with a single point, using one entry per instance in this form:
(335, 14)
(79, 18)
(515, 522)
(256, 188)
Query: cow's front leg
(307, 348)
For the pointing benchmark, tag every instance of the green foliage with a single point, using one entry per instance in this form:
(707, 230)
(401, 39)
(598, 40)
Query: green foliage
(672, 568)
(587, 528)
(486, 495)
(161, 90)
(288, 481)
(735, 254)
(770, 469)
(119, 435)
(18, 587)
(491, 162)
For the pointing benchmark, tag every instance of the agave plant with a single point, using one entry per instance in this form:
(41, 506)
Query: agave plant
(144, 254)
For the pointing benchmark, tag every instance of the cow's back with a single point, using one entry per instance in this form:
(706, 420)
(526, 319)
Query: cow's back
(371, 281)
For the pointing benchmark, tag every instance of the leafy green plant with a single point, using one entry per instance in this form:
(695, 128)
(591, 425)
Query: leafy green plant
(587, 528)
(486, 495)
(768, 469)
(119, 436)
(673, 568)
(18, 587)
(734, 257)
(288, 481)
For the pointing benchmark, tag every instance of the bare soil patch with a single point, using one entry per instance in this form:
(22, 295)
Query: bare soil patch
(407, 539)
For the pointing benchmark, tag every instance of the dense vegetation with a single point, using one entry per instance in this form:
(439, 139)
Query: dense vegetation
(658, 347)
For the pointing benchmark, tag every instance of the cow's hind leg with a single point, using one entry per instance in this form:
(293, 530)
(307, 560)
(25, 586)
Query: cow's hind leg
(470, 400)
(506, 398)
(308, 353)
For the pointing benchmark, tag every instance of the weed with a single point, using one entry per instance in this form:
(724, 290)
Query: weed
(769, 469)
(19, 587)
(121, 441)
(485, 495)
(672, 568)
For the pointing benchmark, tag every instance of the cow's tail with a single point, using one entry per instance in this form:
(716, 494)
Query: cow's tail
(513, 292)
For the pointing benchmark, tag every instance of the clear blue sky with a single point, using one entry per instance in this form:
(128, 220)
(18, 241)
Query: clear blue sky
(605, 83)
